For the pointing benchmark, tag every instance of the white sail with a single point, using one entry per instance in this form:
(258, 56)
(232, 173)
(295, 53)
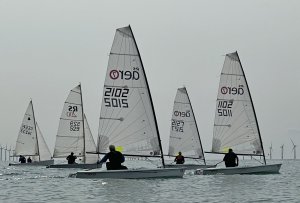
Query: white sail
(184, 135)
(43, 148)
(27, 139)
(235, 123)
(70, 131)
(89, 144)
(127, 118)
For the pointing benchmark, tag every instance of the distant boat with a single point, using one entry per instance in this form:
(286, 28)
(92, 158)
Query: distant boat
(235, 123)
(74, 134)
(31, 143)
(184, 133)
(127, 118)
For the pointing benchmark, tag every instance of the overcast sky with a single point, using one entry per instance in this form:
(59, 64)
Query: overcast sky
(48, 47)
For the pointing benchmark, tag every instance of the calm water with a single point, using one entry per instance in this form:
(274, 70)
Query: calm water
(38, 184)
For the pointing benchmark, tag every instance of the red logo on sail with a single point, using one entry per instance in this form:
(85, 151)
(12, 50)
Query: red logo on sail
(114, 74)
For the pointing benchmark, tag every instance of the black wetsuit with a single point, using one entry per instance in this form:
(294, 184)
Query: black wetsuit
(71, 159)
(229, 159)
(22, 159)
(179, 159)
(115, 159)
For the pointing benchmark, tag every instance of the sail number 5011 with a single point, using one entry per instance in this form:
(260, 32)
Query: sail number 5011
(116, 97)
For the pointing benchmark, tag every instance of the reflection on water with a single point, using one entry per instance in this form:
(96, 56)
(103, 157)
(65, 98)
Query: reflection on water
(38, 184)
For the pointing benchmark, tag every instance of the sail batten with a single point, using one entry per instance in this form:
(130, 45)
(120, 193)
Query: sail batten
(235, 124)
(127, 119)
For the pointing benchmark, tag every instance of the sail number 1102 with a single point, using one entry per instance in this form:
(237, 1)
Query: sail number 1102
(224, 108)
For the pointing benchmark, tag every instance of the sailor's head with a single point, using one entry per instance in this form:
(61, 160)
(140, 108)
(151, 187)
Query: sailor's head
(112, 148)
(179, 153)
(229, 150)
(72, 153)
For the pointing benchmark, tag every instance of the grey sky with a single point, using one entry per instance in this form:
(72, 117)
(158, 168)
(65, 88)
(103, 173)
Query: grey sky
(47, 47)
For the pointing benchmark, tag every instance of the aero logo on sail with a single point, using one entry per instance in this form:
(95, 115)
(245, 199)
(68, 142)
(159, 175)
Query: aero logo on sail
(125, 75)
(233, 90)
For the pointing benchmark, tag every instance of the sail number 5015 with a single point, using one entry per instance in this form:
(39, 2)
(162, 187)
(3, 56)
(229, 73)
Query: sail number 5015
(116, 97)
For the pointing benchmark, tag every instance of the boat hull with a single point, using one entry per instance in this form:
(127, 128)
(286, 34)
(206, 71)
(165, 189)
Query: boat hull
(189, 166)
(35, 163)
(262, 169)
(131, 173)
(83, 166)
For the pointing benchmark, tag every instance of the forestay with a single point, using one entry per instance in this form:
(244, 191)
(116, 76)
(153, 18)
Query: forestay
(70, 131)
(27, 144)
(235, 123)
(127, 118)
(184, 135)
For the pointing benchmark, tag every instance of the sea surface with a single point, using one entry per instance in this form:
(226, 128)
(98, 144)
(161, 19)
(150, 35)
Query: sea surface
(39, 184)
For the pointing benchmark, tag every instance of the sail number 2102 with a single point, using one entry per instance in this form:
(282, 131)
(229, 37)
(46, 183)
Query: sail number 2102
(116, 97)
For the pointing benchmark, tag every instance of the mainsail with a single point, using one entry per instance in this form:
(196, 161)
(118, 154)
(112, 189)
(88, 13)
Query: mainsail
(27, 144)
(184, 135)
(72, 132)
(127, 118)
(235, 124)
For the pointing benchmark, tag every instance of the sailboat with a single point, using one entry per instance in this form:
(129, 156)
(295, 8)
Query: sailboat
(184, 133)
(31, 143)
(235, 124)
(74, 134)
(127, 117)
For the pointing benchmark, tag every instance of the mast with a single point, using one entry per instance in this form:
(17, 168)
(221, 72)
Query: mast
(195, 124)
(37, 141)
(159, 140)
(262, 146)
(83, 128)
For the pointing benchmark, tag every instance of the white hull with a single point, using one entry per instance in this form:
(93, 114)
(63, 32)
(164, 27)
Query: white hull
(189, 166)
(131, 173)
(83, 166)
(262, 169)
(35, 163)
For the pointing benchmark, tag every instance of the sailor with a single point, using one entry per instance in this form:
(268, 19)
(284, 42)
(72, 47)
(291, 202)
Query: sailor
(231, 159)
(179, 159)
(115, 158)
(71, 158)
(22, 159)
(29, 160)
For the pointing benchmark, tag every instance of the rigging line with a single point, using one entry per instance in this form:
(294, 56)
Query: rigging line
(152, 162)
(257, 160)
